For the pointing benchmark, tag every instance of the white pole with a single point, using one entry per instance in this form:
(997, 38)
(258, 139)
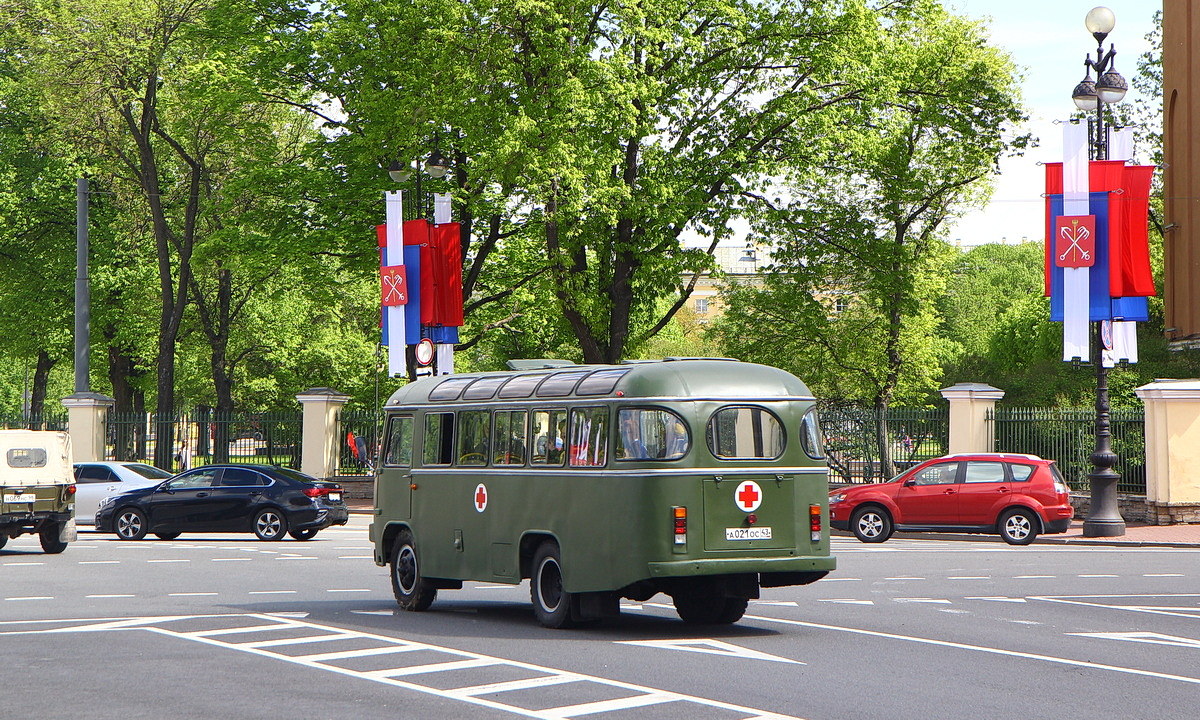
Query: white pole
(394, 255)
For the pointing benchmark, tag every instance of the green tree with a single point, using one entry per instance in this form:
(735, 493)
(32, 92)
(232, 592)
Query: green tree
(865, 239)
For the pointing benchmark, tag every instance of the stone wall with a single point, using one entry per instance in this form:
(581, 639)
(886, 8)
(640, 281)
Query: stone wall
(1133, 507)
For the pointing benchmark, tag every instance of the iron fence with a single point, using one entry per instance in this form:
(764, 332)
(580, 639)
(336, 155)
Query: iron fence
(1068, 436)
(204, 437)
(42, 421)
(852, 438)
(360, 433)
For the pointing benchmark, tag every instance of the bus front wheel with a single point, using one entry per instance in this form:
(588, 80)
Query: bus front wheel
(412, 591)
(551, 604)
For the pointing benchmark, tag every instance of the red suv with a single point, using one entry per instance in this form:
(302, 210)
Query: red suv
(1017, 496)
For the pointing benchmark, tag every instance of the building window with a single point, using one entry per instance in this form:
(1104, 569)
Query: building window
(840, 304)
(702, 305)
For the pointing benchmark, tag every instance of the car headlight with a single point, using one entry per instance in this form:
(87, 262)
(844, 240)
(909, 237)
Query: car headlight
(835, 499)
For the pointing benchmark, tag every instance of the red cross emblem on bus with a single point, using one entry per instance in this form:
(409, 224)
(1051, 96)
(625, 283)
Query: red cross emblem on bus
(748, 496)
(480, 498)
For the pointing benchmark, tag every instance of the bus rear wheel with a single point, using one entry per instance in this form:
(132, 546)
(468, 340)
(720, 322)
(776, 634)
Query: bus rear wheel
(551, 604)
(49, 536)
(710, 609)
(412, 591)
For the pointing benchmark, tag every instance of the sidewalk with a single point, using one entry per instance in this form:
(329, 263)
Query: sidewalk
(1136, 534)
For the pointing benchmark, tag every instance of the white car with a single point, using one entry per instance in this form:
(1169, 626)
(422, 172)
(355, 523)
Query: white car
(95, 481)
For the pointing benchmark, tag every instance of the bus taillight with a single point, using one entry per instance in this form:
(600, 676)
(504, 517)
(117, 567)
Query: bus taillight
(814, 522)
(680, 516)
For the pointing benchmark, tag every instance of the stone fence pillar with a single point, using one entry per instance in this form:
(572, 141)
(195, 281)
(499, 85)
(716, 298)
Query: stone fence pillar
(970, 404)
(319, 437)
(86, 416)
(1172, 450)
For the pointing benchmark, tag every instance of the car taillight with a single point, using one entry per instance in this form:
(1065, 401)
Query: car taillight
(679, 514)
(313, 492)
(1061, 488)
(70, 490)
(814, 522)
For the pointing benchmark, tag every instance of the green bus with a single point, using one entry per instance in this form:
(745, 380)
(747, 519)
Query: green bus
(699, 478)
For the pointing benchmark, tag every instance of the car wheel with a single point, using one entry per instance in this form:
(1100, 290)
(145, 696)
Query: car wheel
(306, 534)
(551, 604)
(49, 535)
(3, 541)
(1018, 526)
(270, 525)
(130, 524)
(871, 524)
(709, 609)
(412, 592)
(166, 535)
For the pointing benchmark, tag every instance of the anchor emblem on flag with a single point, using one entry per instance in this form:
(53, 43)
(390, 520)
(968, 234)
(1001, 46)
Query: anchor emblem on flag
(1075, 241)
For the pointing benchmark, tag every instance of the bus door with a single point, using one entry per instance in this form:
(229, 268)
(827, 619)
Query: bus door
(393, 487)
(747, 509)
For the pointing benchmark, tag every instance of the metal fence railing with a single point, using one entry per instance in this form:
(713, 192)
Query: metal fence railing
(852, 432)
(43, 421)
(359, 442)
(204, 437)
(1068, 436)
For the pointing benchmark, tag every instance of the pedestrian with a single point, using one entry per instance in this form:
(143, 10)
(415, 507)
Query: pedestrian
(184, 456)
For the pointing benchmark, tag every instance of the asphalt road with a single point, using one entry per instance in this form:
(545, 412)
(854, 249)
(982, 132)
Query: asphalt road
(224, 626)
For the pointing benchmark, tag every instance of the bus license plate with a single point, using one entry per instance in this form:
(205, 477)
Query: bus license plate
(22, 498)
(756, 533)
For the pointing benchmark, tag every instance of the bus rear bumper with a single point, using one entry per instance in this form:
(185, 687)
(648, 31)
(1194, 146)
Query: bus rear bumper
(730, 566)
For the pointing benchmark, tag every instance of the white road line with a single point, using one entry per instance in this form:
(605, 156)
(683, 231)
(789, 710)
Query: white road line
(604, 706)
(273, 592)
(903, 577)
(167, 561)
(997, 598)
(1163, 575)
(299, 557)
(109, 596)
(839, 579)
(31, 597)
(231, 559)
(296, 641)
(969, 577)
(99, 562)
(237, 630)
(1098, 576)
(847, 601)
(190, 594)
(981, 648)
(356, 557)
(348, 590)
(19, 564)
(936, 601)
(1034, 577)
(526, 684)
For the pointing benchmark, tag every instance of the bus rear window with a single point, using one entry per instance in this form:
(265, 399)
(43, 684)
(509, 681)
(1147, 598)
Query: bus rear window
(745, 433)
(27, 457)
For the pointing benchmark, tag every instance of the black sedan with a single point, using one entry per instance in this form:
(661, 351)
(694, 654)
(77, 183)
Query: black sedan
(267, 500)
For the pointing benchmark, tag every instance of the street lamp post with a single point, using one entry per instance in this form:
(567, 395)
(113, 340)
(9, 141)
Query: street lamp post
(1104, 516)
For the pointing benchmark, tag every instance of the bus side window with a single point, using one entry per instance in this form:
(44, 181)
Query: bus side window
(399, 442)
(549, 437)
(439, 439)
(473, 437)
(509, 439)
(589, 437)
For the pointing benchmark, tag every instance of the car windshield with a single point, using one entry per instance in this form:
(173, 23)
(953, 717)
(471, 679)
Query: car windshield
(148, 471)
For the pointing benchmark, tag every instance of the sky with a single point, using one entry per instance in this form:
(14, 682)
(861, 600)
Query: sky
(1047, 40)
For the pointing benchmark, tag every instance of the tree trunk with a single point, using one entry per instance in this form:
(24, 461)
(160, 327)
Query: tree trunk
(37, 395)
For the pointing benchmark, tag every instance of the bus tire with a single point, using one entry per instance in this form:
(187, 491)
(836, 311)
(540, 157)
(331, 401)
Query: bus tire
(49, 537)
(413, 592)
(551, 604)
(710, 609)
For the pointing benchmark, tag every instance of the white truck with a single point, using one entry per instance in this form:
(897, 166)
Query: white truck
(37, 487)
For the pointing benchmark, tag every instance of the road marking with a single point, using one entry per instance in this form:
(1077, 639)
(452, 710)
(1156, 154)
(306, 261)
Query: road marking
(903, 577)
(19, 564)
(997, 598)
(710, 647)
(167, 561)
(1184, 612)
(937, 601)
(299, 557)
(969, 577)
(1098, 576)
(99, 562)
(1163, 575)
(348, 590)
(1145, 637)
(31, 597)
(781, 603)
(273, 592)
(980, 648)
(109, 596)
(1034, 577)
(641, 696)
(231, 559)
(356, 557)
(839, 579)
(847, 601)
(190, 594)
